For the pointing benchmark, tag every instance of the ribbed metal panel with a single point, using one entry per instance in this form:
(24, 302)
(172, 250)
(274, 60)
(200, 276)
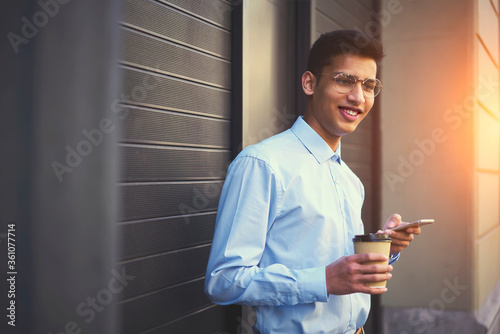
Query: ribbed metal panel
(153, 200)
(165, 270)
(170, 164)
(143, 88)
(147, 126)
(215, 11)
(209, 320)
(174, 25)
(164, 235)
(174, 134)
(149, 52)
(347, 14)
(153, 310)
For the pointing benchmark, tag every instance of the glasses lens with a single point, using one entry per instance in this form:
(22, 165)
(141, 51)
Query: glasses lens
(345, 82)
(372, 87)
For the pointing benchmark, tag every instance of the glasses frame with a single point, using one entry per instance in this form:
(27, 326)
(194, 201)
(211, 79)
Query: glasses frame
(336, 74)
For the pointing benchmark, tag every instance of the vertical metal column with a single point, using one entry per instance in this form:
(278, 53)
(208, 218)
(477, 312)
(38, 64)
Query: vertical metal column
(16, 101)
(74, 169)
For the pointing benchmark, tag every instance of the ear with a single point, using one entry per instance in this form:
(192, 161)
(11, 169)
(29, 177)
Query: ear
(308, 83)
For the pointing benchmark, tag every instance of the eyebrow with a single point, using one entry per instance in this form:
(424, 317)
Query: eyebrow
(353, 75)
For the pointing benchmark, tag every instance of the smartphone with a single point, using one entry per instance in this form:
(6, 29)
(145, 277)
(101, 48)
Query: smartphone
(417, 223)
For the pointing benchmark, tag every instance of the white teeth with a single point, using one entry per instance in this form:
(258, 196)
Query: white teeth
(350, 112)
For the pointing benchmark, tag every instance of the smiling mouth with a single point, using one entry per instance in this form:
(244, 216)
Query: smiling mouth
(350, 112)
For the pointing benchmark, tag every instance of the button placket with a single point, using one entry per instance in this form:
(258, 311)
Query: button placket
(335, 174)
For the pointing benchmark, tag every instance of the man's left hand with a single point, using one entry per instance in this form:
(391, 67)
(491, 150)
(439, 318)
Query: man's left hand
(400, 239)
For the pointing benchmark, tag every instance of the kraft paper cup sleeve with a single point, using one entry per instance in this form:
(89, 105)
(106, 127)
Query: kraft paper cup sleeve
(380, 247)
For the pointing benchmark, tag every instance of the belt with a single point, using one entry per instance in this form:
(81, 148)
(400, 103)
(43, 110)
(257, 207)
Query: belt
(360, 331)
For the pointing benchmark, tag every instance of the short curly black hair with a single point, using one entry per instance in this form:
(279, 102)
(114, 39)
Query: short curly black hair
(342, 42)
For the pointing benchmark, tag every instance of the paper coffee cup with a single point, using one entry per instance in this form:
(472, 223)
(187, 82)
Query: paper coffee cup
(373, 243)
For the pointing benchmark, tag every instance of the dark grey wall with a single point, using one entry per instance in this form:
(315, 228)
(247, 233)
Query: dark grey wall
(59, 168)
(74, 170)
(16, 109)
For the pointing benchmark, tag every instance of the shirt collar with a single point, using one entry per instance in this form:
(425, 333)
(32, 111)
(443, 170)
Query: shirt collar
(313, 142)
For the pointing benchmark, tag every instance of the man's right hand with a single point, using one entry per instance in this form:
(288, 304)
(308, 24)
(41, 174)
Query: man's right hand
(348, 274)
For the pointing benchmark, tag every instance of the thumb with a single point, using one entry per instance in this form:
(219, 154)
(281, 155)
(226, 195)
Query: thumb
(393, 220)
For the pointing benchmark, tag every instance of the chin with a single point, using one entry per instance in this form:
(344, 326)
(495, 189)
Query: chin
(349, 130)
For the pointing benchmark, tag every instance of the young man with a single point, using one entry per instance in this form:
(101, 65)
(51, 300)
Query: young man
(290, 207)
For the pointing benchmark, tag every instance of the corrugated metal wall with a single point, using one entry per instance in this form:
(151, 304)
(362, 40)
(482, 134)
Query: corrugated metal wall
(175, 147)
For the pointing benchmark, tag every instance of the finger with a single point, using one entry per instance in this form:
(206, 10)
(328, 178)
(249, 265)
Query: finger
(402, 236)
(398, 248)
(400, 242)
(368, 257)
(377, 291)
(413, 230)
(394, 234)
(371, 290)
(375, 278)
(392, 221)
(368, 269)
(395, 249)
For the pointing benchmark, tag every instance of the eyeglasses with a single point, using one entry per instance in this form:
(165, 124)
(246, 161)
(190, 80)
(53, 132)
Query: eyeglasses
(345, 82)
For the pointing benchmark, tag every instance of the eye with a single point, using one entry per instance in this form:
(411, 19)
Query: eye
(369, 85)
(346, 80)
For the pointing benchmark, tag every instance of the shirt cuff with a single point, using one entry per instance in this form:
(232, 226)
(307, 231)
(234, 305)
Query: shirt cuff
(312, 285)
(393, 258)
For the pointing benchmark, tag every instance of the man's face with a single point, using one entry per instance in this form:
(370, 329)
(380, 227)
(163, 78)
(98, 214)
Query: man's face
(334, 114)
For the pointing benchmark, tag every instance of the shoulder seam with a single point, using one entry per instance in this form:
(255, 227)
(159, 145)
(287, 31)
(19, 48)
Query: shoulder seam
(278, 179)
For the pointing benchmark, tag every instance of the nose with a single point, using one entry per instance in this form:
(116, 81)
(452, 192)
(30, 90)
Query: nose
(356, 95)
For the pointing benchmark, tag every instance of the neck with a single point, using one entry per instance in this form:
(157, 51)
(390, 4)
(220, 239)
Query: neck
(331, 140)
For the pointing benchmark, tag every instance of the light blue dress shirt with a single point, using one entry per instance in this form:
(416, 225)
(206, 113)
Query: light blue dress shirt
(289, 207)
